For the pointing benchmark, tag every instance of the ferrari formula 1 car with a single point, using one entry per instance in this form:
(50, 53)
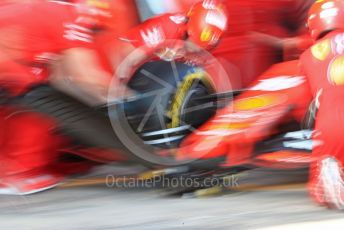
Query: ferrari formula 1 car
(180, 117)
(269, 124)
(219, 134)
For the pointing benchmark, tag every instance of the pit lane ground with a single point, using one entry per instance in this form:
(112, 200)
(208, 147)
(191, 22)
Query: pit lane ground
(263, 199)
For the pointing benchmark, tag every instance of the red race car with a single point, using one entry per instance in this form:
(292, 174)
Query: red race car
(265, 125)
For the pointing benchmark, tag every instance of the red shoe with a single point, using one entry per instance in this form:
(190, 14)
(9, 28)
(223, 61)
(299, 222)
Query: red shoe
(29, 183)
(327, 185)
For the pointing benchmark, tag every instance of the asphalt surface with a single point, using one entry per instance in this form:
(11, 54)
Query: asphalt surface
(278, 200)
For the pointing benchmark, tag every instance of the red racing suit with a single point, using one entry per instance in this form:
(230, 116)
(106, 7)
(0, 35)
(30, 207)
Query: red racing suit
(323, 64)
(156, 30)
(159, 35)
(242, 54)
(32, 35)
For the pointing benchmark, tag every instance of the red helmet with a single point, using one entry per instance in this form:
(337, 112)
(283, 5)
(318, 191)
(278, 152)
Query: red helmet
(207, 23)
(324, 16)
(96, 13)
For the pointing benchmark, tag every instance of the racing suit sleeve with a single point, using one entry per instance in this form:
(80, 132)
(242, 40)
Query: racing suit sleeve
(80, 75)
(294, 46)
(157, 30)
(143, 42)
(79, 72)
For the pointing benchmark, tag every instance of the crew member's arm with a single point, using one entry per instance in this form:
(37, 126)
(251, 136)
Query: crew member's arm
(127, 60)
(80, 75)
(141, 42)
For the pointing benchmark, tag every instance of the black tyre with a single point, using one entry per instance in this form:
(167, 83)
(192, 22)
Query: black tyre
(167, 110)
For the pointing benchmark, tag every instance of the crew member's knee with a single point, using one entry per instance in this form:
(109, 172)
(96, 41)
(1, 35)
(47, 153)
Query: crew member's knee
(28, 141)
